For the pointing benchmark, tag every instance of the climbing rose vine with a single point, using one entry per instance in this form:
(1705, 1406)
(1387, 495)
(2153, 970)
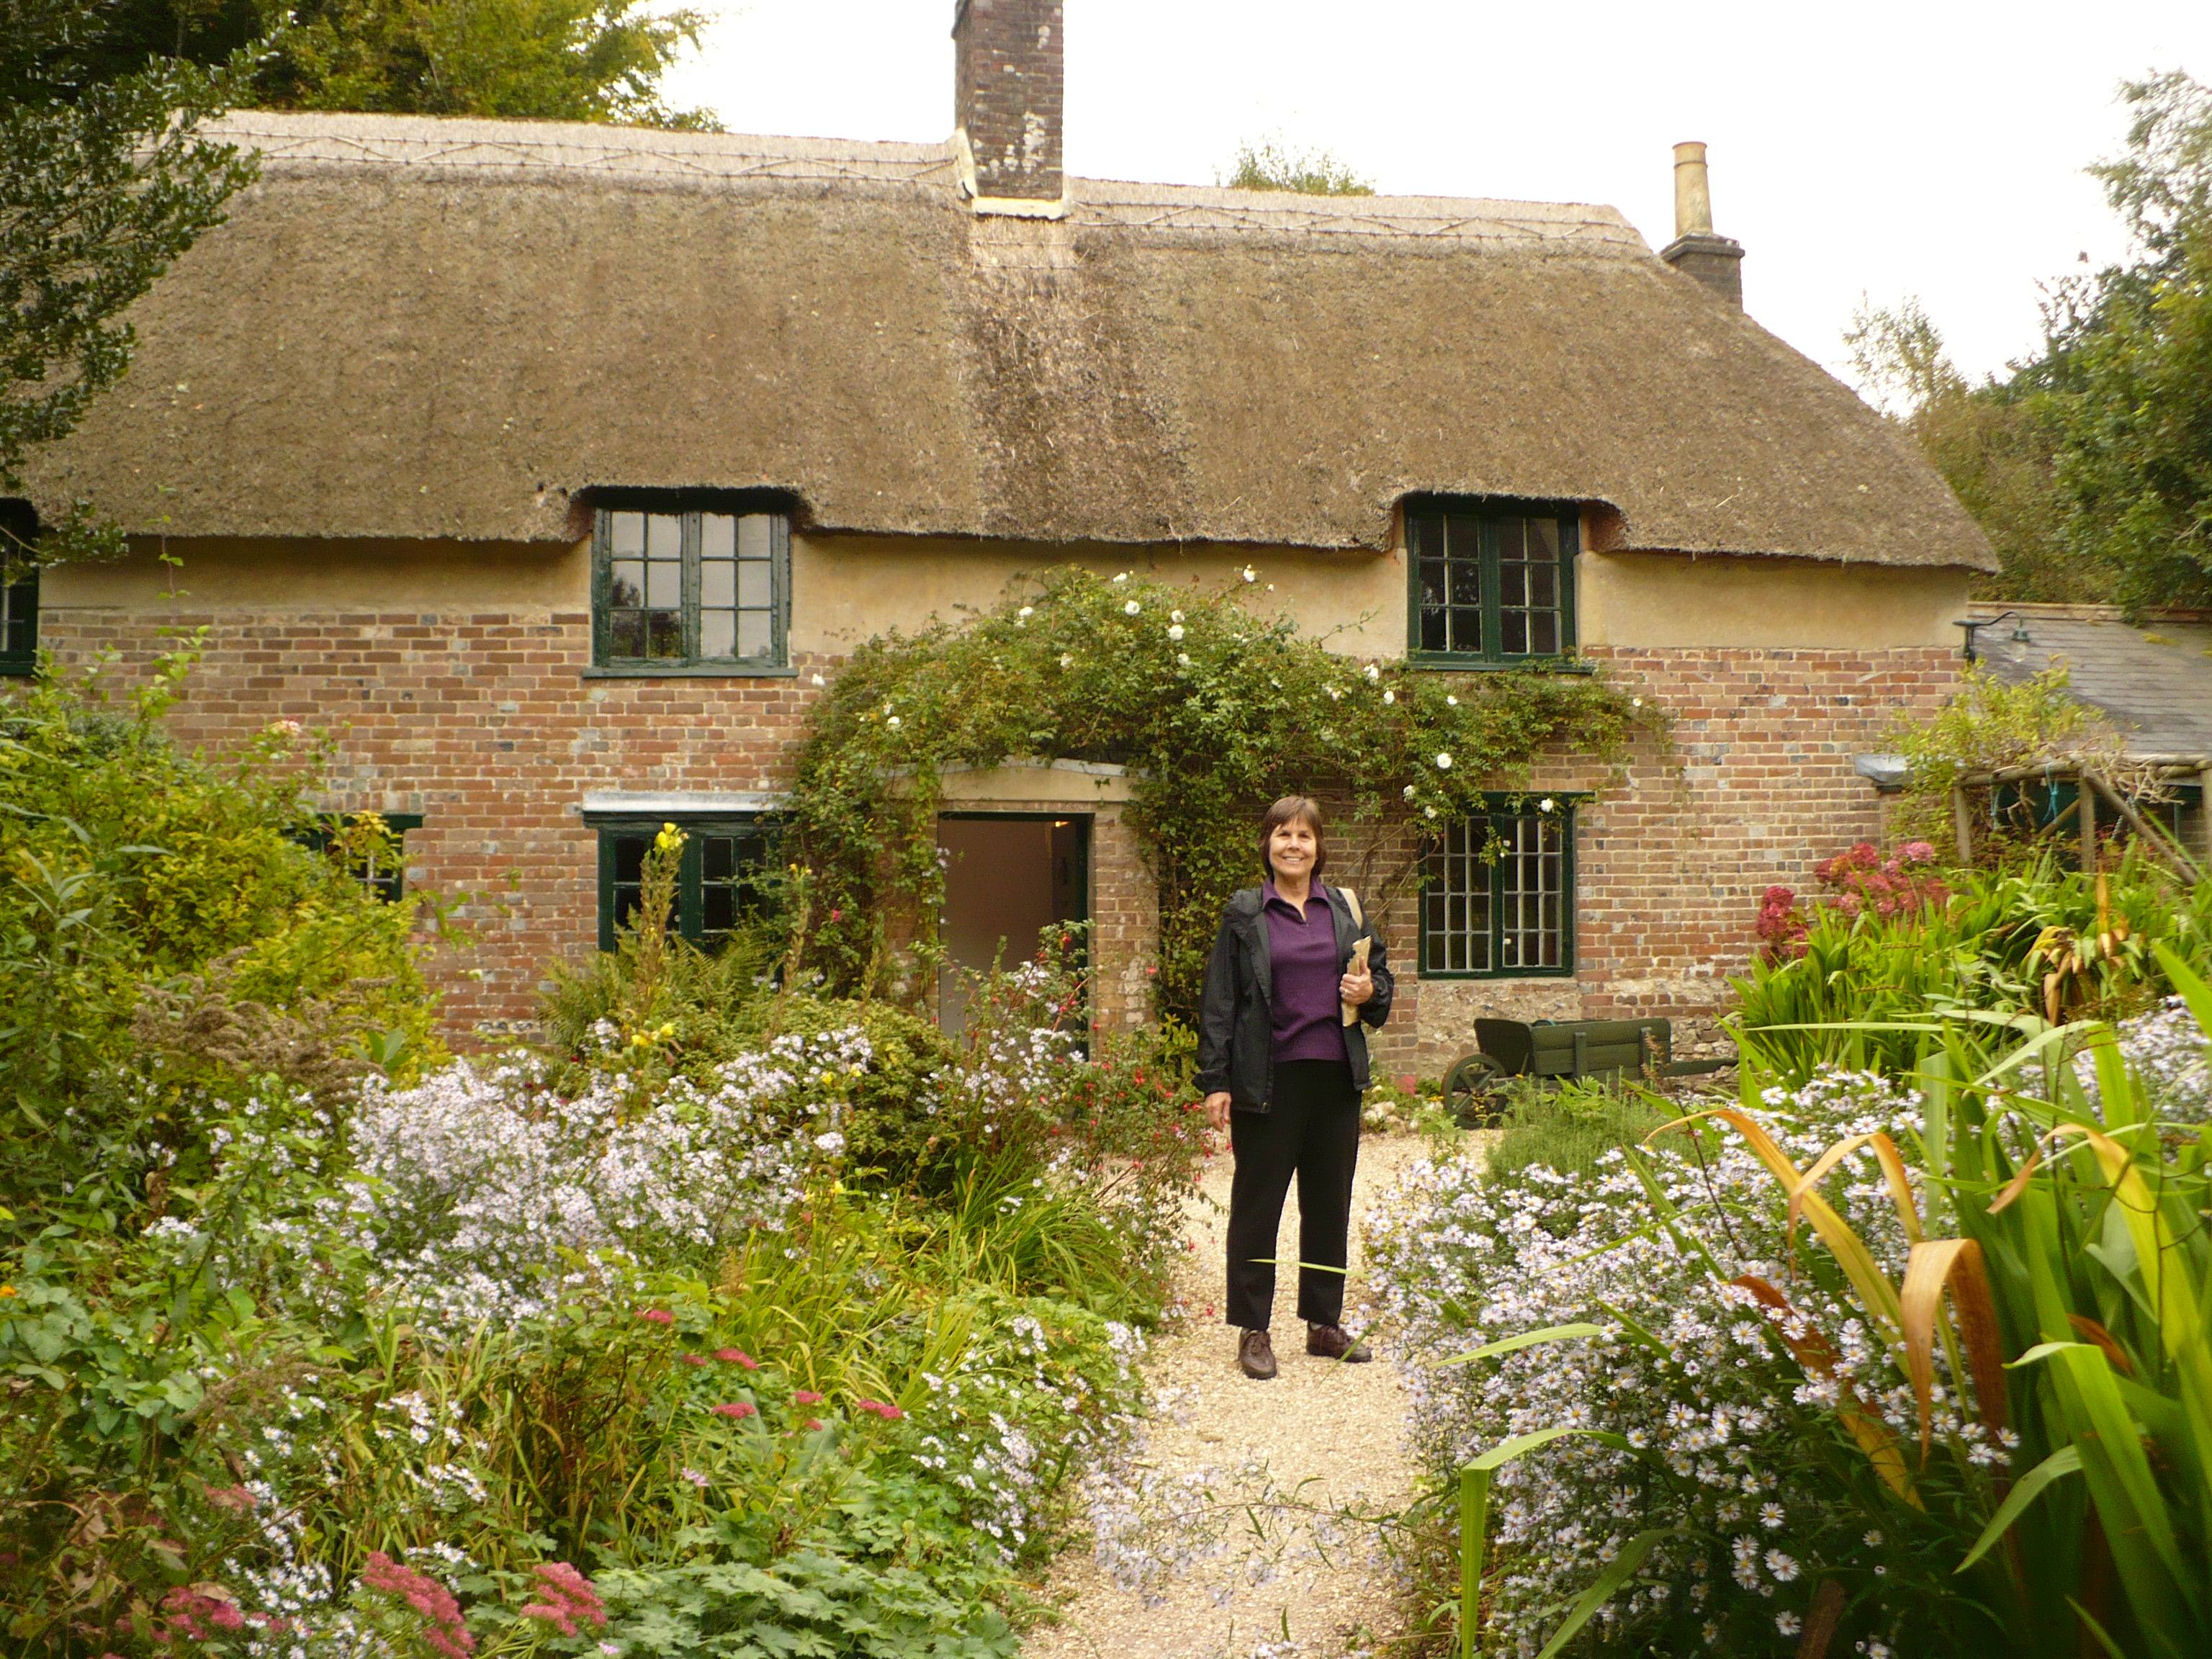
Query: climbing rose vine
(1214, 709)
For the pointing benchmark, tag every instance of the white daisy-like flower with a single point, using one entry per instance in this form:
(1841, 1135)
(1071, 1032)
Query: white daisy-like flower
(1782, 1566)
(1131, 609)
(1176, 632)
(1771, 1517)
(1786, 1623)
(1443, 762)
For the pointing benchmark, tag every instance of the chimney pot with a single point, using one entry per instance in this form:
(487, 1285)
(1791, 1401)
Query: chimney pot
(1009, 100)
(1697, 251)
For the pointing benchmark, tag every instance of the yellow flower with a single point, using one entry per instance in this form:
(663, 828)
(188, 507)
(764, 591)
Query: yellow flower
(7, 1290)
(669, 839)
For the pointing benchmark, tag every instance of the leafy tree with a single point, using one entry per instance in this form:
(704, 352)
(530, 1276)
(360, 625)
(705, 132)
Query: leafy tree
(1269, 164)
(1996, 444)
(2128, 376)
(104, 180)
(554, 60)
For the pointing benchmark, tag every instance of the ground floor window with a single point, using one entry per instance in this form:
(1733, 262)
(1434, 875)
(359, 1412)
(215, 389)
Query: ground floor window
(19, 590)
(1497, 894)
(378, 863)
(719, 883)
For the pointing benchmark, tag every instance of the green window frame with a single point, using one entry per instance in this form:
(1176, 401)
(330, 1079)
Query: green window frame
(719, 878)
(1490, 585)
(1497, 893)
(690, 587)
(384, 881)
(19, 597)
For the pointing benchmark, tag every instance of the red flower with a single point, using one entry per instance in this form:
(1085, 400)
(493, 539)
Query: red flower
(694, 1359)
(805, 1397)
(569, 1597)
(890, 1413)
(442, 1614)
(736, 1357)
(658, 1315)
(813, 1422)
(735, 1408)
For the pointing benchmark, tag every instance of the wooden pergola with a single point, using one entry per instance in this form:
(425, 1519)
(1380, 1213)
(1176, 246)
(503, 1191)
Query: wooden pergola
(2091, 784)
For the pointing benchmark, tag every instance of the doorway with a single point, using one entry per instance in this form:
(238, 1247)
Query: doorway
(1007, 876)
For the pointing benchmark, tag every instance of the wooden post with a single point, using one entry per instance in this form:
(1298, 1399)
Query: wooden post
(1962, 822)
(2086, 793)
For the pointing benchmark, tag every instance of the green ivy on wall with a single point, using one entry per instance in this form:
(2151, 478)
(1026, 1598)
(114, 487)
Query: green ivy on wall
(1214, 711)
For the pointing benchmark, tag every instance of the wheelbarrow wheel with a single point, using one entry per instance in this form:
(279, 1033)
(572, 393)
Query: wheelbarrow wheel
(1474, 1090)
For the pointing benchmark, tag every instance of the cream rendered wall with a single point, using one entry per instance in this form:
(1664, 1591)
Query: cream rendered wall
(846, 588)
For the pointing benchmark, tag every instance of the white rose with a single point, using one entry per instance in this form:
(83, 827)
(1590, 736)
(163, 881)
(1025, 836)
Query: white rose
(1176, 633)
(1175, 615)
(1026, 610)
(1544, 805)
(1131, 609)
(1123, 577)
(1389, 697)
(1067, 659)
(1443, 763)
(1183, 659)
(1250, 574)
(894, 722)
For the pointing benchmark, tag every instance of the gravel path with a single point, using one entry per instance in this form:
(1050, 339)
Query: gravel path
(1181, 1569)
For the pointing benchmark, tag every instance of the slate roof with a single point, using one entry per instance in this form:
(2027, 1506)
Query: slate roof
(2155, 679)
(423, 328)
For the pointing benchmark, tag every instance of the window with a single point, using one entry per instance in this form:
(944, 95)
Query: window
(697, 592)
(1497, 894)
(718, 879)
(19, 590)
(1491, 586)
(381, 869)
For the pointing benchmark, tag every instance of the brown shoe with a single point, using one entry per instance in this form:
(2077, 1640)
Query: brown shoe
(1257, 1355)
(1331, 1342)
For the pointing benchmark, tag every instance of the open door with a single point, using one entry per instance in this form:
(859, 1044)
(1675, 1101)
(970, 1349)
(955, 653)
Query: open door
(1008, 876)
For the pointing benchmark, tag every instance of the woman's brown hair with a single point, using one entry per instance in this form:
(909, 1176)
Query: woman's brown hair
(1293, 809)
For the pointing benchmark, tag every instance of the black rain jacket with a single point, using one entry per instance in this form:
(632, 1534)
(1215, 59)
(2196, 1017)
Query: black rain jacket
(1236, 1019)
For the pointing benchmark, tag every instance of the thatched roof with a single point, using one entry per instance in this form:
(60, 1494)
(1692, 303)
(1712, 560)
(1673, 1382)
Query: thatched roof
(414, 327)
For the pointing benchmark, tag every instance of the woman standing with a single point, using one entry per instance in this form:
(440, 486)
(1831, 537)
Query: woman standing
(1283, 1071)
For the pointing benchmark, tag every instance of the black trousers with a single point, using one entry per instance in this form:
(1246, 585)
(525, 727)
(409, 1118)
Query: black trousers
(1311, 1129)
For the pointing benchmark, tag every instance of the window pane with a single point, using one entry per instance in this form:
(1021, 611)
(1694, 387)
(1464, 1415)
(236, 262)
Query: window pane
(1466, 629)
(753, 588)
(627, 534)
(718, 535)
(1514, 625)
(1532, 890)
(664, 634)
(626, 634)
(664, 584)
(1528, 586)
(1466, 582)
(628, 585)
(754, 541)
(718, 633)
(1456, 903)
(1543, 535)
(664, 536)
(1543, 634)
(753, 636)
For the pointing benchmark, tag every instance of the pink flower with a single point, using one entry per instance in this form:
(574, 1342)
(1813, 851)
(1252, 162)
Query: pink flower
(694, 1359)
(735, 1408)
(813, 1422)
(569, 1597)
(888, 1413)
(442, 1614)
(1917, 852)
(658, 1315)
(805, 1397)
(736, 1357)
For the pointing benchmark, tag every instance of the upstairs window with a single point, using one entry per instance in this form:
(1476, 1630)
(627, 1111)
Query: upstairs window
(1498, 898)
(1491, 586)
(718, 877)
(19, 590)
(700, 590)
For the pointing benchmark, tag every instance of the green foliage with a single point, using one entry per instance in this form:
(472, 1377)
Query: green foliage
(1865, 990)
(546, 60)
(1214, 712)
(1270, 164)
(138, 882)
(1571, 1125)
(103, 182)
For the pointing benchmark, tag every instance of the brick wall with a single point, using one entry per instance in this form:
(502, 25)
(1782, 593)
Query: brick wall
(482, 722)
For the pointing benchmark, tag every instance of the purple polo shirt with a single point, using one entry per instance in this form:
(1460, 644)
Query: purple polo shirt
(1302, 955)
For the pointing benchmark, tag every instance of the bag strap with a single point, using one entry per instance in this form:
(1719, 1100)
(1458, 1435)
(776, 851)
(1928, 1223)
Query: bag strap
(1351, 902)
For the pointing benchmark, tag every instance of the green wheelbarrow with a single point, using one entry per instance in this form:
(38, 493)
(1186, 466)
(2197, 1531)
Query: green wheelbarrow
(1613, 1049)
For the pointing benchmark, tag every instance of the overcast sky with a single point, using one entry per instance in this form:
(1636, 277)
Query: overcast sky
(1886, 148)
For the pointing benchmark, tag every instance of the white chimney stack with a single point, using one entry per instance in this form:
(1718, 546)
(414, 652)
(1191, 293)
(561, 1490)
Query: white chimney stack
(1697, 251)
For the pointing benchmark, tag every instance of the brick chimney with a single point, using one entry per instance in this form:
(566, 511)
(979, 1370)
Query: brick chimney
(1716, 261)
(1009, 93)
